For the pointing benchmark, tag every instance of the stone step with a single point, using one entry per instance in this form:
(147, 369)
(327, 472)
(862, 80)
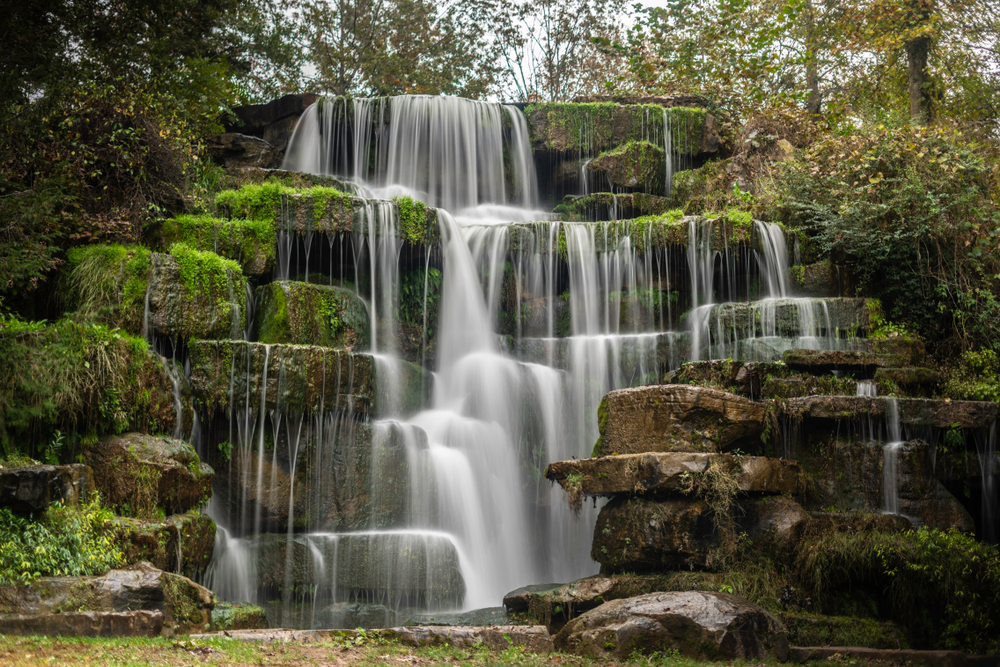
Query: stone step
(676, 418)
(671, 473)
(142, 623)
(307, 314)
(917, 412)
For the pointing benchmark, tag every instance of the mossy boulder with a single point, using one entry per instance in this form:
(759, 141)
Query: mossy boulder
(824, 361)
(237, 616)
(820, 279)
(738, 377)
(196, 294)
(615, 206)
(135, 468)
(636, 165)
(805, 629)
(250, 243)
(914, 381)
(676, 418)
(186, 606)
(189, 537)
(307, 314)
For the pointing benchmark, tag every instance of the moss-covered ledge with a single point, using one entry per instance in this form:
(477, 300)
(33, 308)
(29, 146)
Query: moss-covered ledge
(250, 243)
(307, 314)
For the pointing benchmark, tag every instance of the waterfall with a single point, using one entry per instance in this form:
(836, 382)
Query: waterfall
(890, 458)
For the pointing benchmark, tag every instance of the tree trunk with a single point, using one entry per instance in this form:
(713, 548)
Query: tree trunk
(815, 101)
(917, 50)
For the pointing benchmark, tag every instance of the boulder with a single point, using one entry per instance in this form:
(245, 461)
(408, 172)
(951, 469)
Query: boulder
(181, 480)
(676, 418)
(255, 116)
(821, 279)
(634, 165)
(186, 607)
(670, 473)
(84, 624)
(922, 498)
(911, 380)
(237, 151)
(33, 488)
(189, 537)
(742, 378)
(637, 535)
(699, 624)
(236, 616)
(210, 307)
(308, 314)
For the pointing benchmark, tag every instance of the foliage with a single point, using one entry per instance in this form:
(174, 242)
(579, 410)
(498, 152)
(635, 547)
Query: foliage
(977, 378)
(944, 585)
(249, 242)
(914, 213)
(392, 47)
(412, 219)
(64, 541)
(107, 283)
(71, 376)
(419, 296)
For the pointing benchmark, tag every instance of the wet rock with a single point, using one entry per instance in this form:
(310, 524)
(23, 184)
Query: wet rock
(783, 318)
(922, 498)
(256, 116)
(919, 412)
(33, 488)
(418, 570)
(182, 481)
(634, 165)
(634, 534)
(820, 362)
(84, 624)
(742, 378)
(182, 543)
(186, 606)
(360, 479)
(623, 206)
(341, 213)
(355, 615)
(825, 523)
(306, 314)
(698, 624)
(212, 308)
(639, 355)
(778, 521)
(845, 475)
(236, 616)
(670, 473)
(908, 350)
(236, 151)
(299, 379)
(679, 418)
(821, 279)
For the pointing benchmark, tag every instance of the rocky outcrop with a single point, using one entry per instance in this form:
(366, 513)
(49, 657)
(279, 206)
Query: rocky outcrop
(821, 279)
(307, 314)
(915, 412)
(638, 535)
(671, 472)
(664, 418)
(236, 151)
(181, 543)
(84, 624)
(275, 121)
(200, 297)
(33, 488)
(636, 165)
(825, 361)
(186, 607)
(181, 480)
(698, 624)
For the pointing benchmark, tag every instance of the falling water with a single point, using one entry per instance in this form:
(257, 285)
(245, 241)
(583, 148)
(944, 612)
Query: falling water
(890, 458)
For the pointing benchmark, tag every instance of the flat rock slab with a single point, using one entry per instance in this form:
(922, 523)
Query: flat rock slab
(936, 413)
(824, 361)
(670, 473)
(894, 656)
(34, 488)
(185, 606)
(676, 418)
(141, 623)
(534, 638)
(698, 624)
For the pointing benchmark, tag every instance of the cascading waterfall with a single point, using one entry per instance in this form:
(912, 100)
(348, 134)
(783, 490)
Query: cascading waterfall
(890, 457)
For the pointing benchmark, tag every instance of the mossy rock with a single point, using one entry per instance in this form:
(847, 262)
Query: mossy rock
(250, 243)
(614, 206)
(636, 165)
(307, 314)
(806, 629)
(147, 472)
(191, 536)
(237, 616)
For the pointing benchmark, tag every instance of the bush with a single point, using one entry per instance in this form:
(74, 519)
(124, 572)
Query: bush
(976, 379)
(65, 541)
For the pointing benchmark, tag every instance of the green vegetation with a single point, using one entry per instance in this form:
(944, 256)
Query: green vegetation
(977, 377)
(262, 201)
(65, 541)
(414, 219)
(74, 377)
(108, 283)
(248, 242)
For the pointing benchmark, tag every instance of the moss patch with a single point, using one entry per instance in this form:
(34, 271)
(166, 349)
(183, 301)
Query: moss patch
(107, 283)
(251, 243)
(305, 314)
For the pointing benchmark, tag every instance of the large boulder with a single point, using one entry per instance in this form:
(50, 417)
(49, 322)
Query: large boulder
(676, 418)
(699, 624)
(634, 165)
(33, 488)
(180, 543)
(181, 481)
(236, 151)
(922, 498)
(186, 606)
(196, 294)
(635, 534)
(670, 473)
(308, 314)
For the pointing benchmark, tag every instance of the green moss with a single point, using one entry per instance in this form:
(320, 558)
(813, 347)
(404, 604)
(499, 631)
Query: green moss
(249, 242)
(262, 202)
(413, 219)
(108, 283)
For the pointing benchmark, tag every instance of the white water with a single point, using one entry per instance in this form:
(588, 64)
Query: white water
(890, 457)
